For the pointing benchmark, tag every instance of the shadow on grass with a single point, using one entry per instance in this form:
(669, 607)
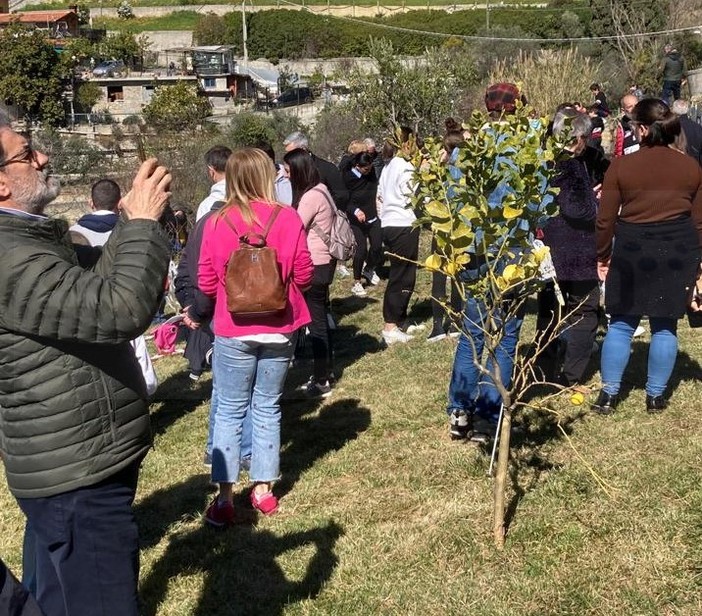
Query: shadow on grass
(307, 438)
(162, 508)
(350, 343)
(240, 569)
(177, 395)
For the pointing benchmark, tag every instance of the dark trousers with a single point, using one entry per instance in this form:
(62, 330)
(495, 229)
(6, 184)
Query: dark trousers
(367, 234)
(317, 297)
(87, 548)
(439, 297)
(582, 298)
(200, 341)
(403, 242)
(671, 91)
(15, 599)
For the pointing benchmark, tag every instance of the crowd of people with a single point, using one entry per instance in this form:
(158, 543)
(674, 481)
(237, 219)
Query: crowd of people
(76, 377)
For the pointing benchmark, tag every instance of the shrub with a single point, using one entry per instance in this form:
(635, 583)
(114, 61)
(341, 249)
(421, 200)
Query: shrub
(177, 107)
(549, 77)
(87, 94)
(124, 10)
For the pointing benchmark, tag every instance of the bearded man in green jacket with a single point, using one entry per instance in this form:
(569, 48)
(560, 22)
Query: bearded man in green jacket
(74, 423)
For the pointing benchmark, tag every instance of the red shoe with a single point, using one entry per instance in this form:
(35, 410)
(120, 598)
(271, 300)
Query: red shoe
(266, 503)
(219, 514)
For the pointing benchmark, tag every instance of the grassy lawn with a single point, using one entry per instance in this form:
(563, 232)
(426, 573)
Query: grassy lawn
(382, 514)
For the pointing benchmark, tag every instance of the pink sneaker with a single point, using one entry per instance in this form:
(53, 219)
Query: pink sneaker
(266, 503)
(219, 514)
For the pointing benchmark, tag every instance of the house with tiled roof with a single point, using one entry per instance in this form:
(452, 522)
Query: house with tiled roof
(57, 24)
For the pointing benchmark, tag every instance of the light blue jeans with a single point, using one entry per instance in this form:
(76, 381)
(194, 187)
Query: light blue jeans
(250, 378)
(616, 350)
(469, 390)
(246, 431)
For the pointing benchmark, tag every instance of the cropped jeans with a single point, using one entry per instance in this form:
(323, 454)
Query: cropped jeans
(246, 429)
(662, 352)
(250, 378)
(469, 390)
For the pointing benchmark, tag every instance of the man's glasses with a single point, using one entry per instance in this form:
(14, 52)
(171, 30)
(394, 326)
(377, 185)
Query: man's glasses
(26, 156)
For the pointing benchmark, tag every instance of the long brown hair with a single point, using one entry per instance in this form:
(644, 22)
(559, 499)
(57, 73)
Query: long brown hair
(303, 173)
(250, 176)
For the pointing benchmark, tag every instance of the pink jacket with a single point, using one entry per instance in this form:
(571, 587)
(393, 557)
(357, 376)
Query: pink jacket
(287, 236)
(316, 207)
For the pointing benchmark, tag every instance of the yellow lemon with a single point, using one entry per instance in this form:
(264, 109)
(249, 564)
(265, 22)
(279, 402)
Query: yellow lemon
(577, 398)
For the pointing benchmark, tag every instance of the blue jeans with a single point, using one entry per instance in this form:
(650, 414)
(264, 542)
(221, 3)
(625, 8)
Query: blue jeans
(245, 434)
(469, 390)
(662, 352)
(250, 378)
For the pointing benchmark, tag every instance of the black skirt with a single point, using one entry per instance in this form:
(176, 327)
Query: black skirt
(652, 268)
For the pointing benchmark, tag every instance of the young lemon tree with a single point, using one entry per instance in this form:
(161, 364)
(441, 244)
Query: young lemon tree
(484, 208)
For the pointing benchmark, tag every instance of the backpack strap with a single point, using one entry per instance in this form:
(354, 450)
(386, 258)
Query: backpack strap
(248, 237)
(321, 233)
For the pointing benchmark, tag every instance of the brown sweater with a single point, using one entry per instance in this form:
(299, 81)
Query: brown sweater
(655, 184)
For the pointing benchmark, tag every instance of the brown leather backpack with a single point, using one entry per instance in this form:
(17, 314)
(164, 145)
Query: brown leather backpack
(253, 281)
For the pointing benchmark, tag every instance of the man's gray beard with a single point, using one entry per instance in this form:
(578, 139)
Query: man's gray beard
(35, 198)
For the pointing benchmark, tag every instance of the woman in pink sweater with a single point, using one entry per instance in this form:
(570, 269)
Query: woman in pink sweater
(315, 205)
(251, 354)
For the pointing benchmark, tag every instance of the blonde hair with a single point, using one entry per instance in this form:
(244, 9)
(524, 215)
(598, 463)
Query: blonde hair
(250, 176)
(357, 146)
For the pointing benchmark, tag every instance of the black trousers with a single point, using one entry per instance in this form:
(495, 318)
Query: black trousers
(87, 548)
(403, 242)
(582, 298)
(438, 294)
(317, 297)
(367, 234)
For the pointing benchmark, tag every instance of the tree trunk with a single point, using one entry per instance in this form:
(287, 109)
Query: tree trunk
(501, 478)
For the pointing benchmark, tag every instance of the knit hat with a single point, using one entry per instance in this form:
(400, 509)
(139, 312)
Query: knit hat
(502, 97)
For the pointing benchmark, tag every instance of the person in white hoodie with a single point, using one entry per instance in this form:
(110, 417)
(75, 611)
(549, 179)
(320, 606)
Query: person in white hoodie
(216, 161)
(401, 238)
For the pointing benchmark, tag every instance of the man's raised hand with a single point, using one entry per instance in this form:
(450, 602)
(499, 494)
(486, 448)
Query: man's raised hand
(149, 194)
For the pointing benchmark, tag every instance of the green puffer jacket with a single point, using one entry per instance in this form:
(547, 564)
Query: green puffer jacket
(73, 407)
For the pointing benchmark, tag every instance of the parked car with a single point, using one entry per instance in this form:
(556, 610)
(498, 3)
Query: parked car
(109, 68)
(293, 96)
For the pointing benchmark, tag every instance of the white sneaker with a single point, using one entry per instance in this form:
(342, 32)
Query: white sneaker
(342, 270)
(371, 277)
(414, 328)
(395, 335)
(358, 290)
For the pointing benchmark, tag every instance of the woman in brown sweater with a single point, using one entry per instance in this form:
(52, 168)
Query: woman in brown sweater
(649, 231)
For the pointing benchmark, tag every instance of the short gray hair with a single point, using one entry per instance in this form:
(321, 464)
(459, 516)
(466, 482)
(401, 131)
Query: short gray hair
(573, 122)
(298, 139)
(370, 143)
(680, 107)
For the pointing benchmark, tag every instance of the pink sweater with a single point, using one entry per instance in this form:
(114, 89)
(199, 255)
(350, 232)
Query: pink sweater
(287, 236)
(316, 207)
